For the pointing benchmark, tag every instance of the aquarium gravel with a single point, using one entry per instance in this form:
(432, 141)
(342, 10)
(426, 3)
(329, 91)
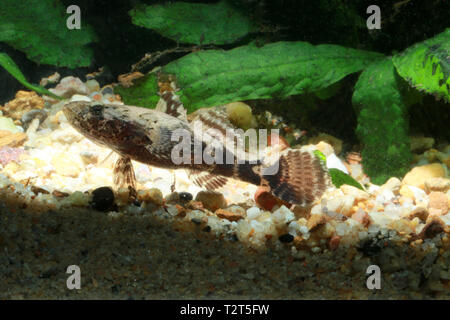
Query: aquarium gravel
(175, 240)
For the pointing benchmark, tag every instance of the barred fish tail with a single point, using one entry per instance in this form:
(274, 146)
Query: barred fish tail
(301, 177)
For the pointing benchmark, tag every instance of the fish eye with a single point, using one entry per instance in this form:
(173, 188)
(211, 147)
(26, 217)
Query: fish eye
(97, 109)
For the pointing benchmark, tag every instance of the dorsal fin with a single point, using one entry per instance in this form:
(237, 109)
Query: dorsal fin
(215, 124)
(170, 103)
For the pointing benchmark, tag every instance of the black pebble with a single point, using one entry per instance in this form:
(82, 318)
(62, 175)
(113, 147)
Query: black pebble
(107, 90)
(207, 229)
(196, 221)
(185, 197)
(102, 198)
(371, 247)
(286, 238)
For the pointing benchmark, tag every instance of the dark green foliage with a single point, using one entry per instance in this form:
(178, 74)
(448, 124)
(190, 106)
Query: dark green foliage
(195, 23)
(143, 93)
(426, 65)
(280, 69)
(339, 178)
(39, 29)
(9, 65)
(382, 122)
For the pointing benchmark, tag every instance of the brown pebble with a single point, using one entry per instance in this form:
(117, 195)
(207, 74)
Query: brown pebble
(362, 217)
(13, 139)
(438, 200)
(211, 200)
(181, 211)
(315, 221)
(353, 158)
(431, 229)
(437, 184)
(196, 205)
(230, 216)
(301, 212)
(419, 212)
(37, 190)
(333, 244)
(60, 194)
(266, 200)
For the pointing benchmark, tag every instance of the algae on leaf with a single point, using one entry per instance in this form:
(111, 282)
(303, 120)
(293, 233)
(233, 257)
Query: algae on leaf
(276, 70)
(39, 29)
(195, 23)
(9, 65)
(382, 122)
(426, 65)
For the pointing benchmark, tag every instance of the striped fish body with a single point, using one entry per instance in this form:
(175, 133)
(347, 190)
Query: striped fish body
(145, 135)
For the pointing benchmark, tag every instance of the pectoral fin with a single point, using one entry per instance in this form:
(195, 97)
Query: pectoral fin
(124, 174)
(207, 180)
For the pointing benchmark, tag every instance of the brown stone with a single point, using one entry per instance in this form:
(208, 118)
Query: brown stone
(333, 244)
(437, 184)
(60, 194)
(13, 139)
(431, 229)
(438, 200)
(266, 200)
(419, 212)
(231, 216)
(362, 217)
(22, 103)
(211, 200)
(418, 175)
(315, 221)
(196, 205)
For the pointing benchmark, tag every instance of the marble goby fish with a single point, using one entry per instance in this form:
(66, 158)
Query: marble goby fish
(144, 135)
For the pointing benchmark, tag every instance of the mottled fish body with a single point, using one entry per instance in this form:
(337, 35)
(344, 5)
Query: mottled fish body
(145, 135)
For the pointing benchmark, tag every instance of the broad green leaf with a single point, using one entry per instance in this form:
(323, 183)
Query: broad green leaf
(195, 23)
(9, 65)
(280, 69)
(382, 122)
(143, 93)
(426, 65)
(338, 178)
(39, 29)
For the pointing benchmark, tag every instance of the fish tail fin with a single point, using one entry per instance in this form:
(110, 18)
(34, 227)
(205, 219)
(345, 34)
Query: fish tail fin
(300, 177)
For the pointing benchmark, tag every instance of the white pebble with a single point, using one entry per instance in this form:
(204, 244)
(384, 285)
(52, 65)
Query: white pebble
(334, 162)
(253, 213)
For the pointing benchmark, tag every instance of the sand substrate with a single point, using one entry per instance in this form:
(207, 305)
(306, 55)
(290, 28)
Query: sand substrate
(126, 256)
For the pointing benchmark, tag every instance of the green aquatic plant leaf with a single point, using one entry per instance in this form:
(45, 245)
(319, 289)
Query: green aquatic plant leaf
(143, 93)
(8, 64)
(338, 178)
(195, 23)
(328, 92)
(39, 29)
(321, 157)
(277, 70)
(382, 122)
(426, 65)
